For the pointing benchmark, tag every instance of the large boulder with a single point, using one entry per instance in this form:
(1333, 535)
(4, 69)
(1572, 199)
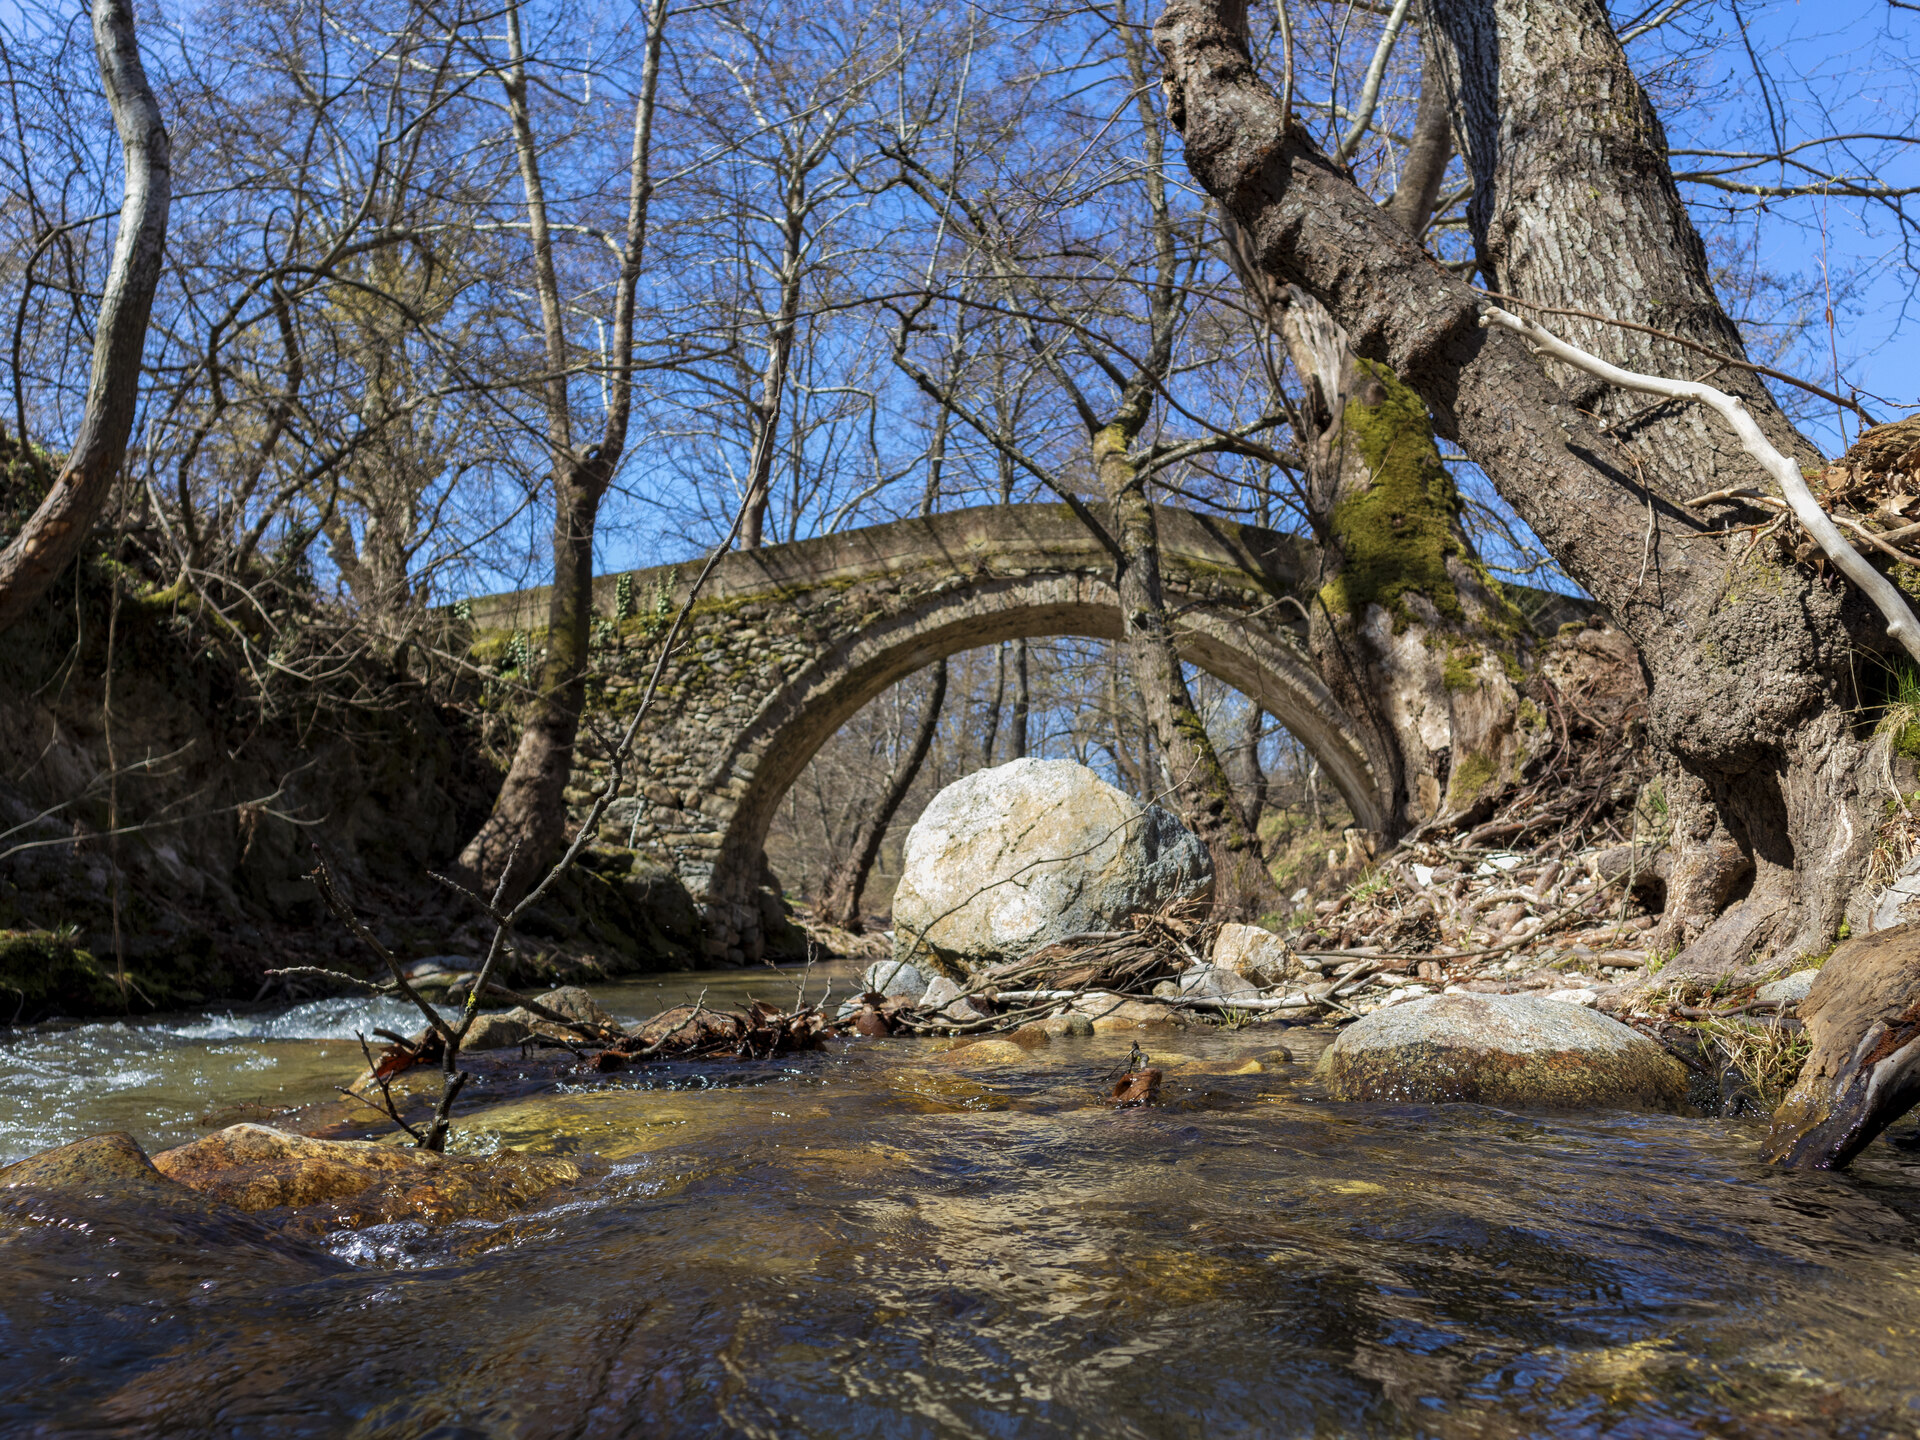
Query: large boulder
(1011, 859)
(1862, 1015)
(1520, 1051)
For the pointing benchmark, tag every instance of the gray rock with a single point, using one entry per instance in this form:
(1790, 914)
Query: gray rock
(1790, 990)
(497, 1032)
(1215, 982)
(942, 997)
(1510, 1050)
(1011, 859)
(895, 977)
(1260, 955)
(569, 1000)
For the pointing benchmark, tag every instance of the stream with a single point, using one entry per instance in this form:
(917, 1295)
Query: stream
(885, 1239)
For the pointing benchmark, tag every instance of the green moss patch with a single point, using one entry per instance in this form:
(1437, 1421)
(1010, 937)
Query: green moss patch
(1396, 535)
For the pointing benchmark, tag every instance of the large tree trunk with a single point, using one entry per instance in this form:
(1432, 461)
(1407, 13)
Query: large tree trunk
(1740, 649)
(57, 529)
(840, 896)
(1753, 696)
(1410, 632)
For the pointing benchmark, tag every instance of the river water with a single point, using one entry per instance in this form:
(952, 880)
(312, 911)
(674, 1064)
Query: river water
(886, 1239)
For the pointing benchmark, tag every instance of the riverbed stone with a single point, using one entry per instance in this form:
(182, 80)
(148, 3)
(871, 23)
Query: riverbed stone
(99, 1163)
(1510, 1050)
(895, 977)
(1260, 955)
(572, 1001)
(497, 1032)
(1789, 989)
(1028, 853)
(1215, 982)
(356, 1182)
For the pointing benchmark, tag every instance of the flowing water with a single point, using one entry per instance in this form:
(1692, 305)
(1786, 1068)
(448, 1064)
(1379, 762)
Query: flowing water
(887, 1239)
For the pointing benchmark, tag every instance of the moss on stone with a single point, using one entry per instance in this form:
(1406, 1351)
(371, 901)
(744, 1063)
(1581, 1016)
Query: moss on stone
(44, 973)
(1396, 535)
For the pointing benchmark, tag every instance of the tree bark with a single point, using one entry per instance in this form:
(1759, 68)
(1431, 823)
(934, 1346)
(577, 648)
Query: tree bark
(1410, 632)
(1244, 766)
(1708, 618)
(840, 896)
(1431, 146)
(529, 818)
(1753, 697)
(57, 529)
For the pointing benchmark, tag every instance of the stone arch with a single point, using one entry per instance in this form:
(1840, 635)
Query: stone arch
(748, 778)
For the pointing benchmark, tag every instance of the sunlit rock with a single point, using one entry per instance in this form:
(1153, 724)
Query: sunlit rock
(1032, 852)
(358, 1182)
(1510, 1050)
(895, 977)
(1260, 955)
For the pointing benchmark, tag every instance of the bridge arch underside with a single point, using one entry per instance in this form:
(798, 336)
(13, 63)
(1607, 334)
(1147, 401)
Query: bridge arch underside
(764, 760)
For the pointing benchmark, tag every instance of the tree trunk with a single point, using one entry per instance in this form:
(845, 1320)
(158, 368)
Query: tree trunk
(1201, 792)
(529, 817)
(1741, 650)
(1753, 696)
(57, 529)
(1244, 766)
(840, 896)
(1409, 632)
(1022, 700)
(992, 732)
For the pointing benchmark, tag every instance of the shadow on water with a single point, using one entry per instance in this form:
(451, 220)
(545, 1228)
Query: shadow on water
(884, 1240)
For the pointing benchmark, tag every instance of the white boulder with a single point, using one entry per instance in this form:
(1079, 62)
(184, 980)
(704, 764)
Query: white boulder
(1014, 858)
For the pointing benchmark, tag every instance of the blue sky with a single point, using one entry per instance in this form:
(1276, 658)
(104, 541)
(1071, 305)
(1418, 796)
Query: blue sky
(1838, 66)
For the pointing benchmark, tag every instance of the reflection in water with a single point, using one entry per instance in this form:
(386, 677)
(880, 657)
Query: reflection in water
(885, 1240)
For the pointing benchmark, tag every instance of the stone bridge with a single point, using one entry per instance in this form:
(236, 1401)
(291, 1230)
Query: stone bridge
(787, 643)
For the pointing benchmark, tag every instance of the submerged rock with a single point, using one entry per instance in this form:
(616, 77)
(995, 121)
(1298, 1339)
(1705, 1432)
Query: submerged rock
(98, 1164)
(1028, 853)
(358, 1182)
(1862, 1014)
(1510, 1050)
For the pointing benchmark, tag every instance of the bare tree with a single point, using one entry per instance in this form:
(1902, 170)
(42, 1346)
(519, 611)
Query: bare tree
(1752, 695)
(529, 815)
(54, 534)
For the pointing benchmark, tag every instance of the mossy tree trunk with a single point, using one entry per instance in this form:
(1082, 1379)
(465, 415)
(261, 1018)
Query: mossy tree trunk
(1750, 659)
(1408, 629)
